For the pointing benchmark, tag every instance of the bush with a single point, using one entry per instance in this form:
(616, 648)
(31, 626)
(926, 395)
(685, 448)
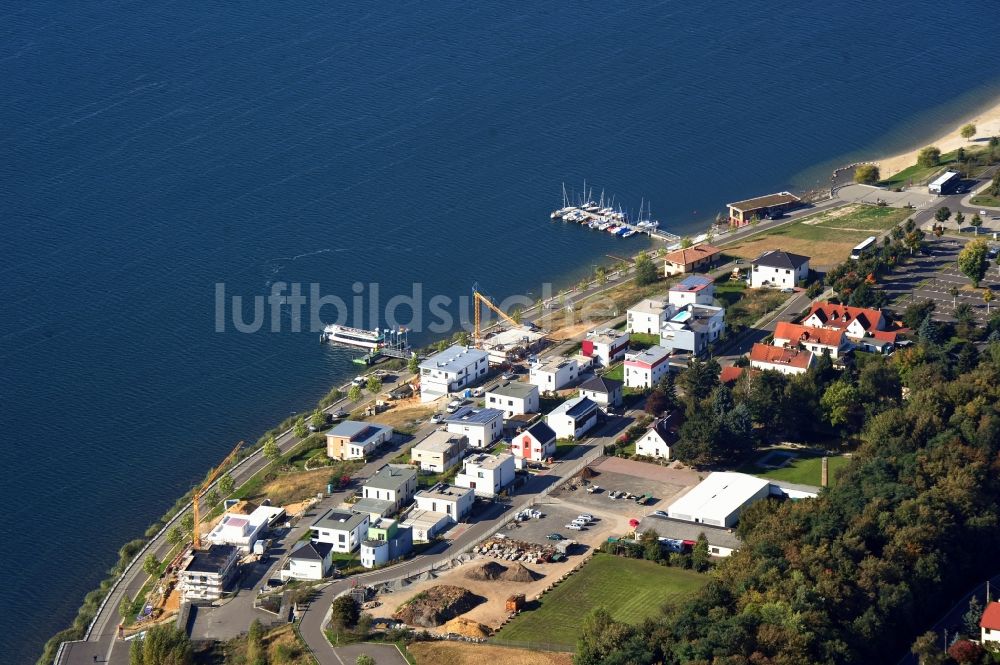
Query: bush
(929, 156)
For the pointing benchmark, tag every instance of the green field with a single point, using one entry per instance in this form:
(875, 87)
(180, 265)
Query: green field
(803, 470)
(985, 200)
(630, 589)
(617, 372)
(746, 306)
(639, 341)
(921, 174)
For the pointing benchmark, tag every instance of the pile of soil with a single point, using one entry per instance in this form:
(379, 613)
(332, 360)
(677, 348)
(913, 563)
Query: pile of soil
(467, 628)
(436, 606)
(587, 473)
(492, 571)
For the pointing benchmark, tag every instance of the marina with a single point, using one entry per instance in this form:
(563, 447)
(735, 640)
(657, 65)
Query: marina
(393, 343)
(602, 215)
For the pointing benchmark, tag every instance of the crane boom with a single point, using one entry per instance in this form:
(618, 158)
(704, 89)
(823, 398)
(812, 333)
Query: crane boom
(195, 536)
(480, 298)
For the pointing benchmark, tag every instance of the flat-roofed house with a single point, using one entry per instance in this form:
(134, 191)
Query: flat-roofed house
(481, 426)
(692, 328)
(455, 502)
(646, 316)
(487, 475)
(343, 529)
(205, 574)
(605, 345)
(644, 369)
(554, 373)
(514, 398)
(353, 439)
(439, 451)
(761, 207)
(451, 370)
(692, 290)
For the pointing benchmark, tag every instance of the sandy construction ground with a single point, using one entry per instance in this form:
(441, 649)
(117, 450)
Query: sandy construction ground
(460, 653)
(987, 124)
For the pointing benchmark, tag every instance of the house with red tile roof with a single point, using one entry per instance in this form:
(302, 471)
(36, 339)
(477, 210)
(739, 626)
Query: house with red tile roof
(690, 259)
(815, 340)
(784, 359)
(856, 322)
(989, 625)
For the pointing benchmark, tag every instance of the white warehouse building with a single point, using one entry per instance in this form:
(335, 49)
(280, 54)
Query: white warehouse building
(719, 499)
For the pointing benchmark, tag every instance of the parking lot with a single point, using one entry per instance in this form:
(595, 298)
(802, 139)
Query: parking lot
(557, 516)
(933, 275)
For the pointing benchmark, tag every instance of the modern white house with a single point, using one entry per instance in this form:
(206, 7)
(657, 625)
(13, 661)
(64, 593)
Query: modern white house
(536, 444)
(647, 316)
(426, 524)
(385, 541)
(481, 426)
(783, 359)
(487, 475)
(658, 439)
(554, 373)
(573, 418)
(451, 370)
(692, 290)
(308, 561)
(514, 398)
(606, 392)
(355, 439)
(390, 489)
(815, 340)
(205, 574)
(244, 530)
(778, 269)
(439, 451)
(341, 528)
(989, 625)
(644, 369)
(455, 502)
(605, 345)
(719, 499)
(692, 328)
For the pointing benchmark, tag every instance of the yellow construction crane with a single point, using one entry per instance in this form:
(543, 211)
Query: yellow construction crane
(480, 298)
(196, 537)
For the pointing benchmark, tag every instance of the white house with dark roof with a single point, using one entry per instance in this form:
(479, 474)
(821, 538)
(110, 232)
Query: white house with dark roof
(308, 561)
(451, 370)
(778, 269)
(514, 398)
(644, 369)
(606, 392)
(390, 489)
(658, 439)
(692, 290)
(481, 426)
(537, 443)
(573, 418)
(646, 316)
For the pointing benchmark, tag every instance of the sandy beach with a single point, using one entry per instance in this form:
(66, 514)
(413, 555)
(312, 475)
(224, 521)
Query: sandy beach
(987, 124)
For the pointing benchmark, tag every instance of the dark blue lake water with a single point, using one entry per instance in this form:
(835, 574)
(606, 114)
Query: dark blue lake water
(149, 151)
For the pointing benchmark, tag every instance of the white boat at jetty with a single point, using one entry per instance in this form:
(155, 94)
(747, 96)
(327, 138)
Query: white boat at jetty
(357, 337)
(603, 215)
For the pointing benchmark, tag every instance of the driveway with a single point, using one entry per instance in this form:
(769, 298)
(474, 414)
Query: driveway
(916, 197)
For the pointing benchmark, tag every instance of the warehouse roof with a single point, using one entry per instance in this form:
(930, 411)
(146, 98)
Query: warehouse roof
(768, 201)
(721, 494)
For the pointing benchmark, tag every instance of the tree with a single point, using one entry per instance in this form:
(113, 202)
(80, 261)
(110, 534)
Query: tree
(413, 364)
(600, 276)
(699, 379)
(967, 131)
(970, 620)
(953, 292)
(344, 612)
(354, 394)
(867, 174)
(364, 659)
(462, 338)
(976, 222)
(151, 565)
(840, 404)
(959, 219)
(686, 242)
(651, 550)
(965, 651)
(987, 298)
(175, 535)
(929, 156)
(317, 419)
(972, 261)
(915, 313)
(125, 609)
(374, 384)
(928, 650)
(699, 554)
(271, 449)
(914, 240)
(300, 430)
(942, 214)
(162, 645)
(645, 270)
(227, 484)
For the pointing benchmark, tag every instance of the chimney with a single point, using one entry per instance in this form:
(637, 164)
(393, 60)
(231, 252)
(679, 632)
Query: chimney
(824, 474)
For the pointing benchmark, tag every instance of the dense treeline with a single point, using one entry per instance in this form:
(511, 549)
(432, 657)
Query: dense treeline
(854, 575)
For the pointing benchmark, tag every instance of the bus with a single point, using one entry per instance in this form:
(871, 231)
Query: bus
(863, 248)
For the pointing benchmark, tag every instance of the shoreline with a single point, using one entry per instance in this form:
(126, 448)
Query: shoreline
(986, 120)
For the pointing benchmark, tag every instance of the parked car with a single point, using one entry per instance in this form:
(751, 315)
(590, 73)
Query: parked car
(556, 536)
(478, 391)
(586, 516)
(454, 405)
(437, 418)
(659, 513)
(574, 527)
(788, 289)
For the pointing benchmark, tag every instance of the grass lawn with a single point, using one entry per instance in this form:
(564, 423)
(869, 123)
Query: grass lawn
(803, 470)
(640, 341)
(746, 306)
(827, 237)
(616, 372)
(985, 200)
(563, 446)
(630, 589)
(922, 174)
